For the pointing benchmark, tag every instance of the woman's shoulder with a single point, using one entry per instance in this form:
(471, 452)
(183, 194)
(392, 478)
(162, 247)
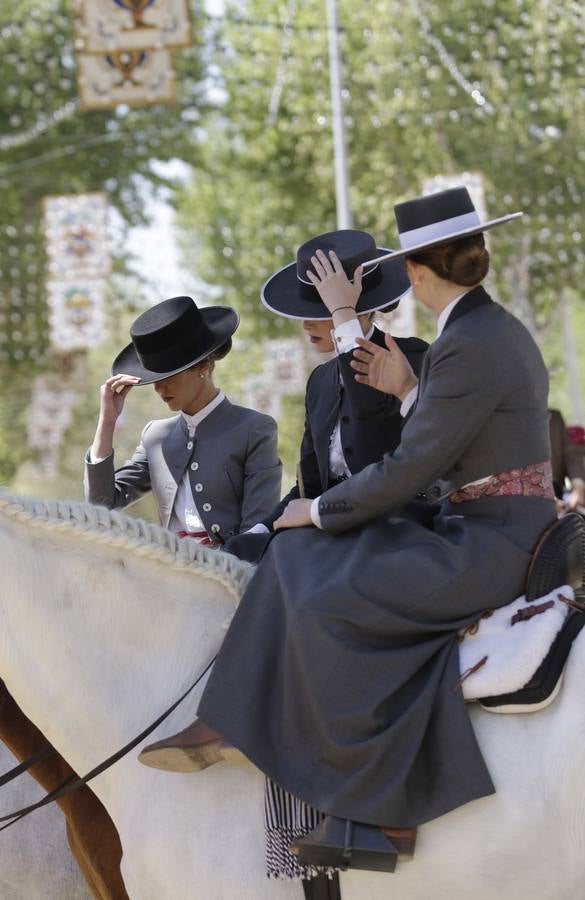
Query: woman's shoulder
(247, 416)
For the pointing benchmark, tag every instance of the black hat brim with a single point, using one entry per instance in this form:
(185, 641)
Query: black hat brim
(456, 235)
(222, 322)
(282, 292)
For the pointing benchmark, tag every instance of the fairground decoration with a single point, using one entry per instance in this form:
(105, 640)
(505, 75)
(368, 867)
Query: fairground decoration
(79, 260)
(76, 314)
(76, 227)
(134, 77)
(106, 25)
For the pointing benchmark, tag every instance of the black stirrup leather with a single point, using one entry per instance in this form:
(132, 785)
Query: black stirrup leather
(559, 558)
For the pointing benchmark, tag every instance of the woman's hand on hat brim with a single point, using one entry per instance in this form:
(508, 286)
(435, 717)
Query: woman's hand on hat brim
(113, 393)
(334, 287)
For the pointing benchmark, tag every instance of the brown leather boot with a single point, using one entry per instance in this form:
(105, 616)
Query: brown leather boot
(196, 747)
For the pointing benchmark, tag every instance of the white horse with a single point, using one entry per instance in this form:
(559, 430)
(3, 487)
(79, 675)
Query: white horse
(35, 860)
(104, 621)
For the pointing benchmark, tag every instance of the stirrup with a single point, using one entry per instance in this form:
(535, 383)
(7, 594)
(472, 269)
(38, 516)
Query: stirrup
(343, 844)
(559, 558)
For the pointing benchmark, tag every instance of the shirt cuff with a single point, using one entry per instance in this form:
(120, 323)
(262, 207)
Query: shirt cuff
(409, 401)
(94, 460)
(316, 518)
(260, 528)
(344, 336)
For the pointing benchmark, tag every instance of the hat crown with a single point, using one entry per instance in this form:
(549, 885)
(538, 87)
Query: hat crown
(351, 247)
(433, 208)
(170, 334)
(435, 217)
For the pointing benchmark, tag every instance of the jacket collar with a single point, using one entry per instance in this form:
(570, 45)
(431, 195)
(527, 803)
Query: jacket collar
(470, 301)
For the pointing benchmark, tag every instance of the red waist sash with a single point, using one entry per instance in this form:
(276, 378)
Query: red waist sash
(531, 481)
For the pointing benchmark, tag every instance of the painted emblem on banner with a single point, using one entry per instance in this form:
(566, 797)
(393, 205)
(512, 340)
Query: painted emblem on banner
(76, 313)
(106, 25)
(135, 77)
(77, 235)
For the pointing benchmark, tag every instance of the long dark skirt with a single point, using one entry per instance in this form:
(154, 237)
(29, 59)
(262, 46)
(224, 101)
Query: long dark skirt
(339, 674)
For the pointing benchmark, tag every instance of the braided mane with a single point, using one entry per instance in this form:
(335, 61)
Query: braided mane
(98, 524)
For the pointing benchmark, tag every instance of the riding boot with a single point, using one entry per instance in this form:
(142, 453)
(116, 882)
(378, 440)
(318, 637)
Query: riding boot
(196, 747)
(343, 844)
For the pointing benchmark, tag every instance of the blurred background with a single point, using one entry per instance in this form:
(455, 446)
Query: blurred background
(150, 148)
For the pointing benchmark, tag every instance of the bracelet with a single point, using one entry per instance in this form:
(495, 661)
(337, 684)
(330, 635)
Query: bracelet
(342, 307)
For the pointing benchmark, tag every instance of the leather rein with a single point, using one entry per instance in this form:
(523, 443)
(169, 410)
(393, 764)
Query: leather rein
(73, 782)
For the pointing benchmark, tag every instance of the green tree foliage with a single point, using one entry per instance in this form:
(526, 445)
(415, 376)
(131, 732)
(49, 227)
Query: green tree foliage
(492, 87)
(72, 152)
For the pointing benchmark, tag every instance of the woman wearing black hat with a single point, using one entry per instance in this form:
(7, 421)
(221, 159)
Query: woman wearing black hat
(351, 698)
(213, 468)
(347, 425)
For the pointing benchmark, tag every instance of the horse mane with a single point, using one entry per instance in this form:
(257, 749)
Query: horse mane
(146, 539)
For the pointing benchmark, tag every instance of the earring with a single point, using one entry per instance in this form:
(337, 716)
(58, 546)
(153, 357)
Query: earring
(201, 374)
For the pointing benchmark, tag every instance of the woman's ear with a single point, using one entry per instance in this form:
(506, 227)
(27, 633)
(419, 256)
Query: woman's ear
(413, 270)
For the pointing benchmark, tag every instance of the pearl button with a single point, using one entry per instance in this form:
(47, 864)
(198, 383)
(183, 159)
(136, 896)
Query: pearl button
(215, 528)
(195, 466)
(206, 507)
(199, 487)
(189, 445)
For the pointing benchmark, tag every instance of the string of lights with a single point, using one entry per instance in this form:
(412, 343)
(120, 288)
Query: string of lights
(448, 62)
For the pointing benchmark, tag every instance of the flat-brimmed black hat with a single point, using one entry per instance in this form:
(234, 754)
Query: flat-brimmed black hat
(439, 219)
(290, 293)
(173, 336)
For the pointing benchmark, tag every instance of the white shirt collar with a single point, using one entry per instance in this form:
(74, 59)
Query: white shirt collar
(442, 320)
(194, 420)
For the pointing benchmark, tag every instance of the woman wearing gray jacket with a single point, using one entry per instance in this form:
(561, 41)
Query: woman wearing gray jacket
(213, 468)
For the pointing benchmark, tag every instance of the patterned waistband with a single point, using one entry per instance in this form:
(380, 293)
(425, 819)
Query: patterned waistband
(531, 481)
(201, 537)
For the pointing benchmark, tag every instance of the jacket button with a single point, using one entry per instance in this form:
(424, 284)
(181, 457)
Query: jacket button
(206, 507)
(199, 487)
(195, 466)
(345, 419)
(215, 528)
(189, 445)
(347, 451)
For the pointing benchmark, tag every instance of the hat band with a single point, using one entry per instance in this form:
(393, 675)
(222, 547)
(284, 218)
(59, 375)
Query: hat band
(371, 279)
(437, 230)
(174, 357)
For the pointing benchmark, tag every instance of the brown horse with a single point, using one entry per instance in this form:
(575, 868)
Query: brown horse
(91, 834)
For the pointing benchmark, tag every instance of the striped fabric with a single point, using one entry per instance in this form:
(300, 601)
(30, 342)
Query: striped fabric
(287, 818)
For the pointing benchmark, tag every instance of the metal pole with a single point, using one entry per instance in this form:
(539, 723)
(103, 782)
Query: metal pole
(337, 116)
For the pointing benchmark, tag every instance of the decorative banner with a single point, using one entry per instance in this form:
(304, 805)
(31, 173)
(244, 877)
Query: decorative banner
(135, 77)
(77, 236)
(76, 314)
(106, 25)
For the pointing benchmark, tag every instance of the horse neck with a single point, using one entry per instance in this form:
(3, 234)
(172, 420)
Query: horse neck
(97, 641)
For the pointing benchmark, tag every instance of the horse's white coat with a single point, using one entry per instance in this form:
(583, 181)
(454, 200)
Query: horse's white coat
(35, 861)
(97, 638)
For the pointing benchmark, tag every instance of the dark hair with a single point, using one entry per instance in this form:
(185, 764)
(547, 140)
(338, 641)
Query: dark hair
(221, 351)
(464, 262)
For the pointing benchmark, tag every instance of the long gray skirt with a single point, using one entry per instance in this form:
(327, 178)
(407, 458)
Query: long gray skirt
(339, 676)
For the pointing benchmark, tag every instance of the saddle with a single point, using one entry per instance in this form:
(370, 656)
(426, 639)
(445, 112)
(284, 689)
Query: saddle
(559, 559)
